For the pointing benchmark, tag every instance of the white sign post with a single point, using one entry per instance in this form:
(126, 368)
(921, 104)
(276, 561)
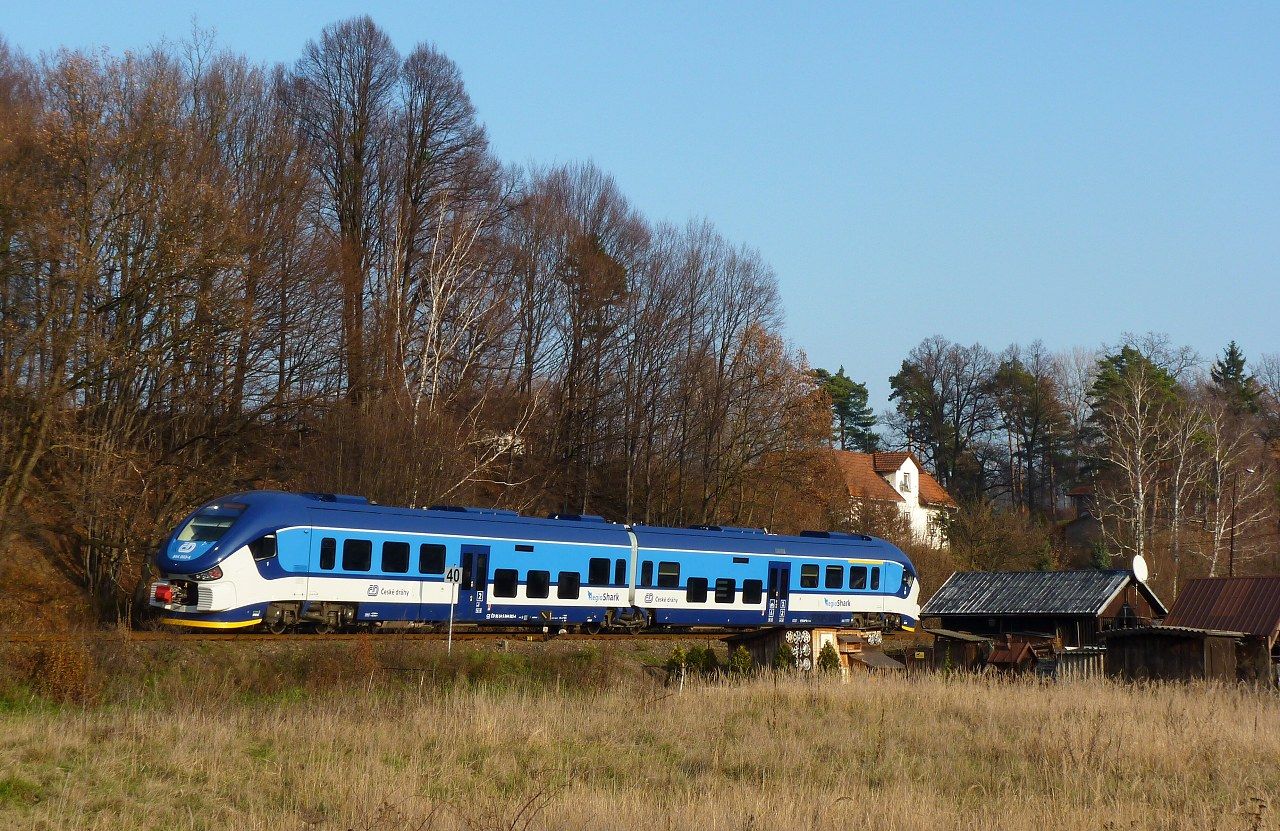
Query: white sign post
(454, 576)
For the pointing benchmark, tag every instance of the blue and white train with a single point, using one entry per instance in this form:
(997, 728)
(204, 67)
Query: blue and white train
(327, 561)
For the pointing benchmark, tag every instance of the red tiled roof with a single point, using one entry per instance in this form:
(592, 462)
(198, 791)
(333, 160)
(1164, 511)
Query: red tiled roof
(890, 462)
(1234, 604)
(861, 478)
(864, 473)
(932, 493)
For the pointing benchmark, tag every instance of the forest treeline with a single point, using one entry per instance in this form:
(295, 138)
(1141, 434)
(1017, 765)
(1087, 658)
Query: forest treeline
(217, 275)
(1173, 456)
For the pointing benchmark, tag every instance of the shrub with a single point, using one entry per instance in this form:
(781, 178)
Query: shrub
(740, 662)
(785, 658)
(828, 658)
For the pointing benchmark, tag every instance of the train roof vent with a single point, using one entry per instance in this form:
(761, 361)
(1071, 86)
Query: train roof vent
(577, 517)
(343, 498)
(836, 535)
(728, 529)
(462, 509)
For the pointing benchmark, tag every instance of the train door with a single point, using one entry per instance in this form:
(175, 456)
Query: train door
(779, 591)
(472, 591)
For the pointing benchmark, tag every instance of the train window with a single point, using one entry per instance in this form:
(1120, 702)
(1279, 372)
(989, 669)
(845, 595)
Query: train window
(875, 578)
(752, 591)
(538, 584)
(858, 577)
(668, 575)
(598, 571)
(395, 557)
(742, 560)
(809, 576)
(726, 590)
(431, 558)
(620, 572)
(646, 573)
(504, 582)
(835, 577)
(328, 552)
(697, 590)
(357, 555)
(568, 585)
(524, 548)
(263, 548)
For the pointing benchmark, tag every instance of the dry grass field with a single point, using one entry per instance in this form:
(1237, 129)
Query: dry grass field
(177, 738)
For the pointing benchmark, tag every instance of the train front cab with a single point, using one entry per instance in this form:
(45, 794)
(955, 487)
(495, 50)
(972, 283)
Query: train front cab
(203, 586)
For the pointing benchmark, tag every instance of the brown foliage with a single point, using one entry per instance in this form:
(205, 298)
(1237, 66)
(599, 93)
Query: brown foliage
(217, 276)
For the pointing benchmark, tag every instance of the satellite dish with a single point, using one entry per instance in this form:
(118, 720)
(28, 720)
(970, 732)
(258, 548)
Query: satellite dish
(1140, 568)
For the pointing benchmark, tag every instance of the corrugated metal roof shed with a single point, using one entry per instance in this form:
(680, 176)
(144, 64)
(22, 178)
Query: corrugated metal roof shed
(873, 659)
(1234, 604)
(958, 636)
(1030, 593)
(1170, 631)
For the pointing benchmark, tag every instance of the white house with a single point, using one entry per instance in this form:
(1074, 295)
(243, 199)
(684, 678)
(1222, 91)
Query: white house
(898, 480)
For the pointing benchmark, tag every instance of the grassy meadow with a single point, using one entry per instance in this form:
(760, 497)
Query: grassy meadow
(332, 736)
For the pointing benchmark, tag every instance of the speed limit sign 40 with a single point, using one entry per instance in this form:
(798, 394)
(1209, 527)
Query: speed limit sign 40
(453, 575)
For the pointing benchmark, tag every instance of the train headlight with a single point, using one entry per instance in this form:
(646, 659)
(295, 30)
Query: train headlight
(164, 593)
(212, 574)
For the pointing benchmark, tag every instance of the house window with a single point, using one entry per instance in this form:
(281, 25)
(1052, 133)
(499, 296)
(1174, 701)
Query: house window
(906, 481)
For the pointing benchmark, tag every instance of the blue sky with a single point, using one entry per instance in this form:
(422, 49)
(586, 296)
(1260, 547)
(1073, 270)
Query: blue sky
(989, 172)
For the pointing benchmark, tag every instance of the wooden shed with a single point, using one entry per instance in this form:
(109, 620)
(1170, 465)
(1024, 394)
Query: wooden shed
(1248, 607)
(1068, 608)
(1172, 653)
(954, 650)
(1013, 656)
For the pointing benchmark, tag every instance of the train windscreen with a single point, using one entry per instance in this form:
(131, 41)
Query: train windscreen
(211, 523)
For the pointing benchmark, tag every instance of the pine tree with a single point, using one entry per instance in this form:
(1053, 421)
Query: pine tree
(852, 420)
(1236, 386)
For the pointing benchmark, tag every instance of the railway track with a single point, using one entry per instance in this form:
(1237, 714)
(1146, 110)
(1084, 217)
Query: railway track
(142, 636)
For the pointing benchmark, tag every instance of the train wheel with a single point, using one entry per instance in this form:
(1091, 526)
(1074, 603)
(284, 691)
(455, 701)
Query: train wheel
(591, 628)
(276, 626)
